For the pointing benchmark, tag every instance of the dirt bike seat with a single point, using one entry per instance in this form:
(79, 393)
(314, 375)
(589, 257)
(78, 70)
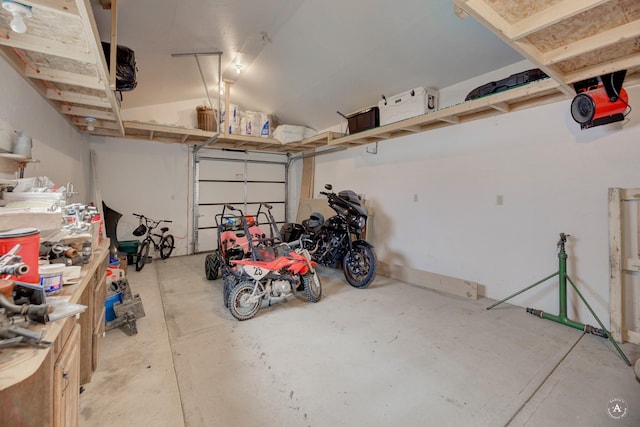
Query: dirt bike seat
(274, 265)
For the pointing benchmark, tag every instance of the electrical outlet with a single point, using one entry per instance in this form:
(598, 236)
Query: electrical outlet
(499, 200)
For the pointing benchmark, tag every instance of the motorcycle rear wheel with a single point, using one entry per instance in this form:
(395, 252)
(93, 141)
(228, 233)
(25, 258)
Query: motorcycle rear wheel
(239, 307)
(212, 265)
(312, 286)
(360, 265)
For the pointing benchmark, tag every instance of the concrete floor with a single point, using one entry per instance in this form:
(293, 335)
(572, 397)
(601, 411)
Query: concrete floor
(389, 355)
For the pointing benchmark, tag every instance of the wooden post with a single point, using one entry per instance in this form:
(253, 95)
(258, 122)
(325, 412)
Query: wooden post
(308, 171)
(113, 57)
(227, 101)
(616, 309)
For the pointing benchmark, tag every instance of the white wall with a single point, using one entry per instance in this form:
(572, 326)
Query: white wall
(553, 178)
(148, 178)
(63, 153)
(154, 179)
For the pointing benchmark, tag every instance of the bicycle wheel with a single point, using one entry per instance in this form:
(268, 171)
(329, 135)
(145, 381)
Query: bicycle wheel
(143, 253)
(166, 246)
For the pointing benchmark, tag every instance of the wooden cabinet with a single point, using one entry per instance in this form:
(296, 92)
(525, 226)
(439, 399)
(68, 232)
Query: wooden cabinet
(66, 382)
(41, 387)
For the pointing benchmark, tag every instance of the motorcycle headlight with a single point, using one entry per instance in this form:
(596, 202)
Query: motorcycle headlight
(359, 222)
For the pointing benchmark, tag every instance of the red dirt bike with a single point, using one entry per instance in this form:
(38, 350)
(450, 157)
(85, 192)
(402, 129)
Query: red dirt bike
(272, 281)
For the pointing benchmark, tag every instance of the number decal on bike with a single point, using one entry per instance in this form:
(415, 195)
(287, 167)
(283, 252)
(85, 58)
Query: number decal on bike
(257, 271)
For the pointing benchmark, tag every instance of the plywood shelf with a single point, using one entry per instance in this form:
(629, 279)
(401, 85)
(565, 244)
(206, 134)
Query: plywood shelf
(61, 56)
(11, 163)
(571, 40)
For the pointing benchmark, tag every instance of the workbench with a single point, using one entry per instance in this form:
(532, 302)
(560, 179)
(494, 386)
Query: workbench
(41, 387)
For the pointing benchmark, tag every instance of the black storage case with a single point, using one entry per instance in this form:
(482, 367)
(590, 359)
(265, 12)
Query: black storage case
(512, 81)
(363, 120)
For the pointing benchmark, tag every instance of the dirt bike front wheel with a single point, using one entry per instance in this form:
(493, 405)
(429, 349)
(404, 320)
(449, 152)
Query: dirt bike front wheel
(212, 265)
(166, 246)
(312, 286)
(143, 254)
(360, 265)
(240, 305)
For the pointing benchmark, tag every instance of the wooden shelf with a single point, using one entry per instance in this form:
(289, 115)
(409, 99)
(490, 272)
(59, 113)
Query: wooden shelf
(11, 163)
(571, 40)
(527, 96)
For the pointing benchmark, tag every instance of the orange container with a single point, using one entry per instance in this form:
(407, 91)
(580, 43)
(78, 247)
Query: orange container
(29, 241)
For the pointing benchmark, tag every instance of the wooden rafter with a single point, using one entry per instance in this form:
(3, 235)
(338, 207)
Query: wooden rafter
(544, 34)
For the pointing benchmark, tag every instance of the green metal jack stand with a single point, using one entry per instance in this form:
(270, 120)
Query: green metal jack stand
(562, 318)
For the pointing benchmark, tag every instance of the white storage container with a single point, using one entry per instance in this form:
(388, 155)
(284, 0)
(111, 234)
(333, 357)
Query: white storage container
(292, 133)
(407, 104)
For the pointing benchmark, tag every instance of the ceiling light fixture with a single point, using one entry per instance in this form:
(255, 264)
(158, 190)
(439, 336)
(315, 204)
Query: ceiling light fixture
(90, 123)
(19, 12)
(238, 68)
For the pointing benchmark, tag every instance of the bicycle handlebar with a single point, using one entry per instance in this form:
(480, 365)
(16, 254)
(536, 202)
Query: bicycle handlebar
(266, 205)
(153, 221)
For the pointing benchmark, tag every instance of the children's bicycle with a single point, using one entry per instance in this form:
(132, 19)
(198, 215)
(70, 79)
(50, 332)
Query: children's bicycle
(161, 242)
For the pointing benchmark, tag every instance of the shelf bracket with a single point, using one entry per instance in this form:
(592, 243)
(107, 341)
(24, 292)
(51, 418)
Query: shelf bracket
(375, 151)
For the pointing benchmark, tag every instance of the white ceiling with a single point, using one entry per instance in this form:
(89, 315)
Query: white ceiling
(318, 56)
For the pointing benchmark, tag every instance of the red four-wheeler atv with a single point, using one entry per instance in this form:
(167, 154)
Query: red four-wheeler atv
(241, 236)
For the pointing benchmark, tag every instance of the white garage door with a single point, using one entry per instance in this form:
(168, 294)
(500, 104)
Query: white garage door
(244, 181)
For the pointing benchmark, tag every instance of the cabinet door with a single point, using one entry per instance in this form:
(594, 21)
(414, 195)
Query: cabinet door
(66, 383)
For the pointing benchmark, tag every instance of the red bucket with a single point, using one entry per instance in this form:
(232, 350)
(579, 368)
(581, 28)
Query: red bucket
(29, 241)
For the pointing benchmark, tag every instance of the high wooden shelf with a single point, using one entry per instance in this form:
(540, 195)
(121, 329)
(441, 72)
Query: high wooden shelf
(11, 163)
(527, 96)
(61, 56)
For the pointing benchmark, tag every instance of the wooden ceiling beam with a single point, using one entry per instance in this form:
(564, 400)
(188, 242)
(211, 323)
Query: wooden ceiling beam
(624, 63)
(77, 98)
(550, 16)
(64, 77)
(50, 47)
(87, 112)
(61, 6)
(601, 40)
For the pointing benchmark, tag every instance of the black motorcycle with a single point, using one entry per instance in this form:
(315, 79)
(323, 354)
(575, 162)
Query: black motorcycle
(337, 242)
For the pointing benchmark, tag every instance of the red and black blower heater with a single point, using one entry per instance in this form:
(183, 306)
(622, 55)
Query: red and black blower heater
(600, 100)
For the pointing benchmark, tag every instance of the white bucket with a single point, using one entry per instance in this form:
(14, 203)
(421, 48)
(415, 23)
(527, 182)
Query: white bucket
(51, 277)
